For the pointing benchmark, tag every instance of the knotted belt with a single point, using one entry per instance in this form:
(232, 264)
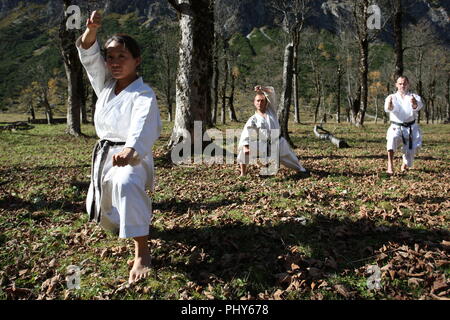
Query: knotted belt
(409, 126)
(101, 149)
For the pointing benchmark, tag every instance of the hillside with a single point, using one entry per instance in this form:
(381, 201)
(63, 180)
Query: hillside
(27, 31)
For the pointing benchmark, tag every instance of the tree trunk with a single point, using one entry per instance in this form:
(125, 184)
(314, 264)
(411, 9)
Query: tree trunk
(295, 79)
(93, 103)
(83, 99)
(285, 101)
(447, 98)
(398, 37)
(338, 102)
(225, 82)
(363, 46)
(233, 116)
(48, 110)
(376, 110)
(193, 98)
(323, 134)
(215, 80)
(32, 113)
(74, 71)
(363, 74)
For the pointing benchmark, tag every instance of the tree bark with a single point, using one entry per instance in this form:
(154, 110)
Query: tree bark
(295, 79)
(360, 102)
(285, 101)
(193, 97)
(225, 82)
(215, 80)
(233, 116)
(93, 103)
(74, 71)
(398, 37)
(447, 98)
(326, 135)
(338, 102)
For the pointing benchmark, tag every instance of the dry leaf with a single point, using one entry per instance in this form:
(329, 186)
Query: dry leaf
(278, 294)
(342, 290)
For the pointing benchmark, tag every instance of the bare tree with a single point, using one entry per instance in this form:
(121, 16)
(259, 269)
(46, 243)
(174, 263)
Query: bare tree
(41, 89)
(293, 13)
(74, 73)
(397, 7)
(215, 79)
(420, 39)
(364, 36)
(168, 42)
(195, 69)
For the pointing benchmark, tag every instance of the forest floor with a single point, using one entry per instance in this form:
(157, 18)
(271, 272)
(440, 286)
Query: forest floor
(217, 236)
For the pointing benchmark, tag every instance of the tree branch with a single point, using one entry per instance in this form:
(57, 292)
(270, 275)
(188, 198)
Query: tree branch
(175, 5)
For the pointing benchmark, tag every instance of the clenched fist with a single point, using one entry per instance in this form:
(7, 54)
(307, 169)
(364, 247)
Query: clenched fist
(95, 21)
(125, 157)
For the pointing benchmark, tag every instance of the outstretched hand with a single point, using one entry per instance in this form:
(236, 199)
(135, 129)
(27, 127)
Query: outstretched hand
(95, 21)
(390, 104)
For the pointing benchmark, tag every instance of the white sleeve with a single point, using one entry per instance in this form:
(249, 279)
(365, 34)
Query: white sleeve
(94, 64)
(145, 125)
(245, 135)
(272, 97)
(386, 103)
(419, 103)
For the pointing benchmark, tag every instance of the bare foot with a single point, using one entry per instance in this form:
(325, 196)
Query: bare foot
(389, 172)
(404, 168)
(141, 269)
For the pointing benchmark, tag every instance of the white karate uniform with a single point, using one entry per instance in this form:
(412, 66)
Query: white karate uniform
(131, 117)
(262, 125)
(398, 135)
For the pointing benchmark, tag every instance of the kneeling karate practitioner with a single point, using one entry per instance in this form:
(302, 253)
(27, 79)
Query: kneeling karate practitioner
(265, 123)
(127, 121)
(403, 108)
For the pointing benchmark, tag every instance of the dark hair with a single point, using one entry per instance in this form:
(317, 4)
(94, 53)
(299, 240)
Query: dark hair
(128, 42)
(402, 77)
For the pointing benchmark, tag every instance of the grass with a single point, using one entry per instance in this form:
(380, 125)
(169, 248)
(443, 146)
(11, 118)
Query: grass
(216, 236)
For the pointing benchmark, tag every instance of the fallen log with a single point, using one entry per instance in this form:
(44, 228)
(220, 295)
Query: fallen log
(326, 135)
(13, 126)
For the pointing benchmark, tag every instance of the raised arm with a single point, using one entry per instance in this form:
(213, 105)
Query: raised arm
(90, 34)
(389, 104)
(90, 56)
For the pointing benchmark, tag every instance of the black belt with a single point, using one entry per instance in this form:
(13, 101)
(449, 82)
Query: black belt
(406, 125)
(102, 146)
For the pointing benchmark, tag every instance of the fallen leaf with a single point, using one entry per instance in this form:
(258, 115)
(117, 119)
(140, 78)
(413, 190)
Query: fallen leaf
(278, 294)
(342, 290)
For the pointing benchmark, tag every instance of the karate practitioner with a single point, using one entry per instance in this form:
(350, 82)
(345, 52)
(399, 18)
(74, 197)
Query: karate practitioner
(403, 108)
(263, 121)
(127, 121)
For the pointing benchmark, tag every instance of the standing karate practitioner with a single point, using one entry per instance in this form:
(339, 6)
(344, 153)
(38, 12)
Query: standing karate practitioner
(127, 121)
(403, 107)
(264, 120)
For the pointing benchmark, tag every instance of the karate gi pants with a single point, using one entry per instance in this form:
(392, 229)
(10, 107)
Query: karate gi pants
(395, 141)
(287, 156)
(126, 209)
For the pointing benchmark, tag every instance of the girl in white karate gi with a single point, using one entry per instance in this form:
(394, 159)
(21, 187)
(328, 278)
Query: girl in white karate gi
(127, 121)
(264, 120)
(404, 130)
